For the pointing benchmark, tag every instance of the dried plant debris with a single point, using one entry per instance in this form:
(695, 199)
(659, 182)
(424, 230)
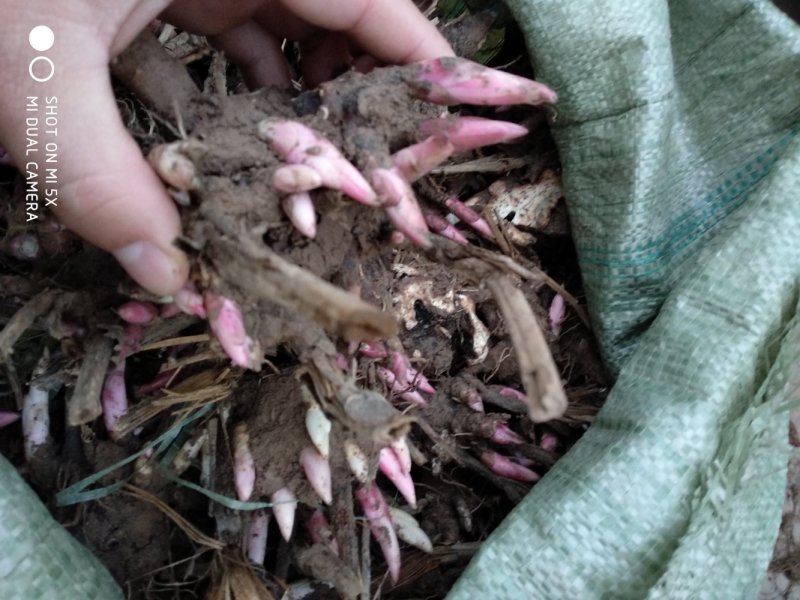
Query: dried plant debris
(369, 366)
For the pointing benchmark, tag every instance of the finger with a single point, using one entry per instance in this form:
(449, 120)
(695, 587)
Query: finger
(391, 30)
(210, 17)
(106, 191)
(137, 223)
(324, 57)
(142, 13)
(258, 54)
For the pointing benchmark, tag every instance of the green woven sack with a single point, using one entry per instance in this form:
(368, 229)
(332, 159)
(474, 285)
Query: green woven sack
(677, 133)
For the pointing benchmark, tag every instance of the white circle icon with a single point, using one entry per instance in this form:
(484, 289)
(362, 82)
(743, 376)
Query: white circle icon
(41, 38)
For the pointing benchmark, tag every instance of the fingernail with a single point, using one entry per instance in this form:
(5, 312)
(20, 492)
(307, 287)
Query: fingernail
(158, 270)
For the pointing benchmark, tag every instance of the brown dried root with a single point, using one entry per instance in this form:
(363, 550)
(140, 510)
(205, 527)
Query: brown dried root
(23, 319)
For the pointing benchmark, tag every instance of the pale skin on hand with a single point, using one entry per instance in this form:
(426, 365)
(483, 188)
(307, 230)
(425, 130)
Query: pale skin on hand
(107, 192)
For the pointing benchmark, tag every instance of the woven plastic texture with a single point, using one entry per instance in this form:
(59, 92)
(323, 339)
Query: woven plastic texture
(38, 558)
(677, 131)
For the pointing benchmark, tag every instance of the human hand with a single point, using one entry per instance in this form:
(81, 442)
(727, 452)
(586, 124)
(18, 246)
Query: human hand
(107, 193)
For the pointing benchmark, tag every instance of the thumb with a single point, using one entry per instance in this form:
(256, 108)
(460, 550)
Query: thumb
(109, 194)
(103, 189)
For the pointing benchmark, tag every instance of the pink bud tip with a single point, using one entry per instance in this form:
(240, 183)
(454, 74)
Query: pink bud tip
(298, 144)
(156, 384)
(503, 434)
(244, 466)
(227, 324)
(170, 310)
(515, 394)
(373, 350)
(300, 210)
(131, 339)
(319, 529)
(284, 505)
(403, 390)
(190, 301)
(7, 418)
(505, 467)
(474, 401)
(380, 524)
(440, 225)
(318, 472)
(415, 161)
(557, 313)
(468, 133)
(400, 365)
(401, 450)
(391, 467)
(257, 537)
(548, 442)
(401, 205)
(114, 398)
(470, 217)
(451, 80)
(138, 313)
(342, 362)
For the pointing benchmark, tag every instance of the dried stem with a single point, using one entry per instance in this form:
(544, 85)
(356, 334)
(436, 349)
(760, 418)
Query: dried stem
(540, 375)
(261, 272)
(24, 318)
(84, 404)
